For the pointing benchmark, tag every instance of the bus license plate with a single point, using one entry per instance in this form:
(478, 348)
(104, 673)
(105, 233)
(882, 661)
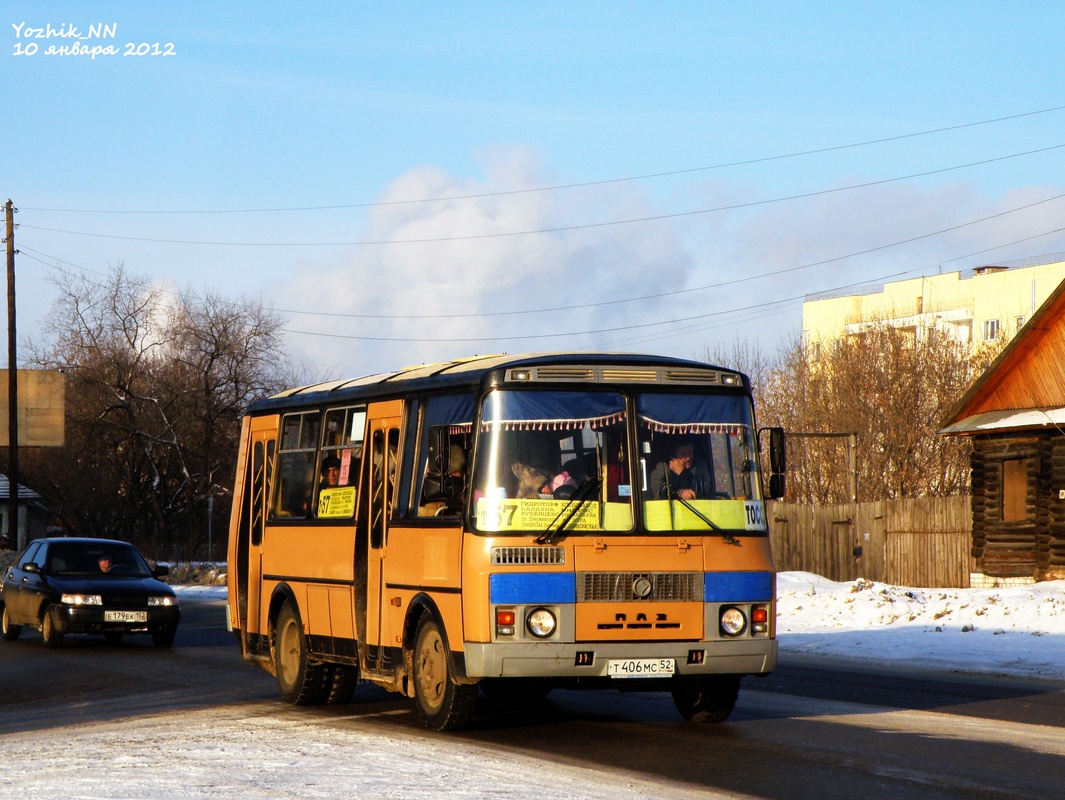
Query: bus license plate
(125, 616)
(641, 668)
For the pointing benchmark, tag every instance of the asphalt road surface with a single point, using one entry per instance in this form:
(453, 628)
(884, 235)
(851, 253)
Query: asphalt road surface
(810, 730)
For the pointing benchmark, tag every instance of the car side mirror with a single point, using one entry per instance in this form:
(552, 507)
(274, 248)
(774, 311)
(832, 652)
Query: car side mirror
(160, 570)
(32, 568)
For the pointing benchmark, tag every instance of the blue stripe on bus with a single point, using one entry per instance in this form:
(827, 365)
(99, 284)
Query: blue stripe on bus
(523, 588)
(737, 587)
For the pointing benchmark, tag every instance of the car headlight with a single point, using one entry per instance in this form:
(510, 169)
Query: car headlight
(82, 600)
(162, 600)
(733, 621)
(541, 623)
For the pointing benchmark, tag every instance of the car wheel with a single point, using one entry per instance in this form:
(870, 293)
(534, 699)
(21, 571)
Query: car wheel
(301, 681)
(10, 632)
(443, 704)
(52, 636)
(706, 699)
(163, 638)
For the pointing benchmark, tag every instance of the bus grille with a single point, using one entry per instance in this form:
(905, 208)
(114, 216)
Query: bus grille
(600, 587)
(528, 555)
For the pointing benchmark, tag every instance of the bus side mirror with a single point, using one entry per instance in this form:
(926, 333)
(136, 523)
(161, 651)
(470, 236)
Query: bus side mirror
(777, 462)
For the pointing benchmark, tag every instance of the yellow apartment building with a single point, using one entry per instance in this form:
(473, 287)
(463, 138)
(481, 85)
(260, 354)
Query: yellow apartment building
(976, 306)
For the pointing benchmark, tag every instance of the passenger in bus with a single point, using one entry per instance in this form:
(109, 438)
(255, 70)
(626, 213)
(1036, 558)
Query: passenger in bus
(330, 472)
(574, 473)
(442, 503)
(681, 475)
(532, 481)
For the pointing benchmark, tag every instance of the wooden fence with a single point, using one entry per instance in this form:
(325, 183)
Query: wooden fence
(923, 542)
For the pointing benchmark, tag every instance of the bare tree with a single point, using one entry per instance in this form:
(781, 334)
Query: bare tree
(156, 385)
(891, 387)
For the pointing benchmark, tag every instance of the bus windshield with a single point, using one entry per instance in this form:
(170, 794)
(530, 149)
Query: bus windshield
(552, 461)
(698, 462)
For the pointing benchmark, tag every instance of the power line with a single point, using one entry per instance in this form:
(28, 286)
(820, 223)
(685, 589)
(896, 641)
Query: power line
(560, 228)
(578, 185)
(659, 295)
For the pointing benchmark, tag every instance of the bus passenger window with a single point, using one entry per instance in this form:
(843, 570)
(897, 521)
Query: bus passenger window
(338, 469)
(296, 465)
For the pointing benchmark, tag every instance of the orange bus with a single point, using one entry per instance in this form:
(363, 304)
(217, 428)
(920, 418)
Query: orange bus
(509, 524)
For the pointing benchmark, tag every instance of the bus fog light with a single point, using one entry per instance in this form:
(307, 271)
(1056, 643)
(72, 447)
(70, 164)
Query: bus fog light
(760, 619)
(505, 622)
(541, 623)
(733, 621)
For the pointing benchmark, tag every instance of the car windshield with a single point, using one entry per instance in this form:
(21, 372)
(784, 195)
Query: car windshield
(94, 559)
(552, 461)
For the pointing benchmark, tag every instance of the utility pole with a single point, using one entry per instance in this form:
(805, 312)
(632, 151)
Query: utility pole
(12, 384)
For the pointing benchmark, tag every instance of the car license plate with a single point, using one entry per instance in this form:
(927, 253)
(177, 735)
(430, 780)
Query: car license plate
(641, 668)
(125, 616)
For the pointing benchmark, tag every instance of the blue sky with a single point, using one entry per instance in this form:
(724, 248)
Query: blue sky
(423, 181)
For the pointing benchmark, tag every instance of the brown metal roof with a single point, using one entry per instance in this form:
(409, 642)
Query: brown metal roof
(1029, 374)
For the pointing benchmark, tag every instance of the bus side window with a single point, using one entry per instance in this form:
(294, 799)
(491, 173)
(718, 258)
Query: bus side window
(295, 476)
(444, 480)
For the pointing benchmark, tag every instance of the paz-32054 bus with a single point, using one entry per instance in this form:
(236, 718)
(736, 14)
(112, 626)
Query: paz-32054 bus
(507, 523)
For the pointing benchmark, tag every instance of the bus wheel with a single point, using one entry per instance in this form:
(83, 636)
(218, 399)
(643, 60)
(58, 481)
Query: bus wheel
(443, 704)
(301, 681)
(706, 699)
(340, 685)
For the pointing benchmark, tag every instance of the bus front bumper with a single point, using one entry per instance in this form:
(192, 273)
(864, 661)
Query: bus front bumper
(592, 659)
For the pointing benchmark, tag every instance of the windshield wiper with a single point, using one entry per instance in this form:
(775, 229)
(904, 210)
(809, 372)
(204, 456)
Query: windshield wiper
(728, 538)
(581, 495)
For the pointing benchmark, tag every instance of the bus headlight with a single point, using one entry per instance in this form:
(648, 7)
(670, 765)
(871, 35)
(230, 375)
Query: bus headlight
(541, 623)
(733, 621)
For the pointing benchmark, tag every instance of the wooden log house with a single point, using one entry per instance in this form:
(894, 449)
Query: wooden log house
(1015, 415)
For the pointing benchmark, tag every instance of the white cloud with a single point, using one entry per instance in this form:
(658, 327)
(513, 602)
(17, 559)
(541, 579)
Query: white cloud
(457, 267)
(459, 257)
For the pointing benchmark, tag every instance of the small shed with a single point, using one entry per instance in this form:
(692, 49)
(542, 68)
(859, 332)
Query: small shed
(33, 516)
(1015, 415)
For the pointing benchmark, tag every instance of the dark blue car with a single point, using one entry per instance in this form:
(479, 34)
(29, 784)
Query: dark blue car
(94, 586)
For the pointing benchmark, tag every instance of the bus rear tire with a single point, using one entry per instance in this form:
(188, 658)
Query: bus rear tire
(442, 704)
(340, 683)
(706, 699)
(301, 681)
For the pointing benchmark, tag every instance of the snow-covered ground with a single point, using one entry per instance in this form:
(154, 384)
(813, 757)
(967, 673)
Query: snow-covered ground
(227, 752)
(1015, 631)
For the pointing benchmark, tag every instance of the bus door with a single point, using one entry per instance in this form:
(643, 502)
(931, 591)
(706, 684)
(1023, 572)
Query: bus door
(261, 443)
(381, 468)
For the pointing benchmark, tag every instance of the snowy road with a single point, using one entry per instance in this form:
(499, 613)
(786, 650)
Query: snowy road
(131, 722)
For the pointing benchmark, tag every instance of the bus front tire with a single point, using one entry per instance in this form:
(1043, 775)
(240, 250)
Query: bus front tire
(706, 699)
(301, 681)
(442, 704)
